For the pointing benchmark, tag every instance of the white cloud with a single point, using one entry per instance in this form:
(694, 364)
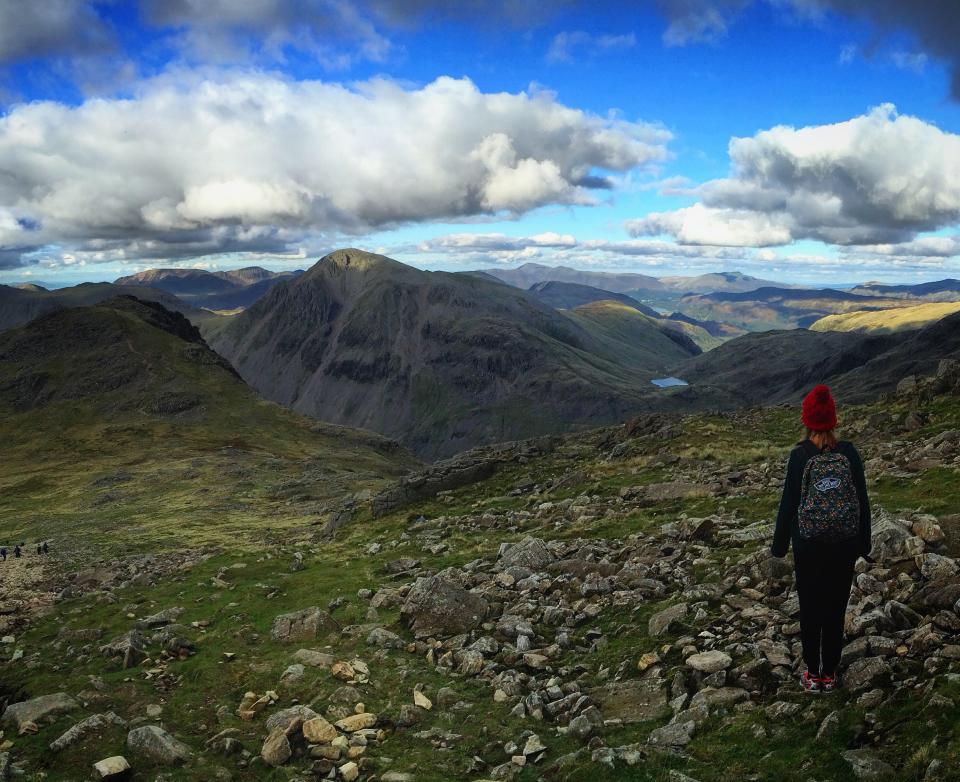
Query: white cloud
(254, 161)
(567, 47)
(879, 178)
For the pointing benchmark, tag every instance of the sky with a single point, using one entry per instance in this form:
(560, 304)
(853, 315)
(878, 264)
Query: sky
(810, 141)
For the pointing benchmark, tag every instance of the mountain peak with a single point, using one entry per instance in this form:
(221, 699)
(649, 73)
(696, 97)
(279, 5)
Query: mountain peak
(353, 258)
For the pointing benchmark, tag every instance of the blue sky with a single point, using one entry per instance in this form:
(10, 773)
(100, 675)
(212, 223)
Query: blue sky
(227, 133)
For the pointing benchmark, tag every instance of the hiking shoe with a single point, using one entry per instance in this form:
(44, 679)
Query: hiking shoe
(829, 683)
(809, 683)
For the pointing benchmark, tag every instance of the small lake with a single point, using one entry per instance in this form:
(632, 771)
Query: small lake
(668, 382)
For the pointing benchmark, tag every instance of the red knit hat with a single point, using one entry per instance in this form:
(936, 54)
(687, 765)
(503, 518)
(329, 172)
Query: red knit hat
(819, 410)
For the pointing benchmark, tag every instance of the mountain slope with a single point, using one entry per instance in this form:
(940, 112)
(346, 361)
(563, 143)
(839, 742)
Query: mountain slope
(888, 321)
(212, 290)
(121, 411)
(732, 282)
(567, 295)
(777, 366)
(442, 361)
(938, 290)
(20, 305)
(777, 308)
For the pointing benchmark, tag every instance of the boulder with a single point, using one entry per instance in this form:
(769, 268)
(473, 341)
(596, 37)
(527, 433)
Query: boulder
(284, 717)
(276, 749)
(129, 649)
(676, 734)
(863, 673)
(304, 625)
(936, 567)
(165, 617)
(382, 637)
(867, 766)
(709, 662)
(318, 731)
(38, 709)
(661, 621)
(113, 768)
(437, 606)
(314, 659)
(158, 745)
(93, 723)
(530, 553)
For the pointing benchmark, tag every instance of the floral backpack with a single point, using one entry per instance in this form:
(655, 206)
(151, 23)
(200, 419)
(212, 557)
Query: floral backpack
(829, 507)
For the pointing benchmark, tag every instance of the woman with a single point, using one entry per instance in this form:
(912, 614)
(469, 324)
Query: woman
(825, 512)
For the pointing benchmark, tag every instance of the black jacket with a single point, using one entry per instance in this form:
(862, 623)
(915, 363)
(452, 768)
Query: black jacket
(786, 529)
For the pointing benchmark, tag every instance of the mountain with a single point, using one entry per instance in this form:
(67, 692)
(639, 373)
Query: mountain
(712, 327)
(732, 282)
(441, 361)
(888, 321)
(19, 305)
(939, 290)
(567, 295)
(532, 273)
(571, 296)
(119, 412)
(776, 366)
(227, 290)
(777, 308)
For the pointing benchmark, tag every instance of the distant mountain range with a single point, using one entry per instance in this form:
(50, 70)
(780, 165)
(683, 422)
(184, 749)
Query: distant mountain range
(442, 361)
(778, 308)
(225, 290)
(939, 290)
(533, 273)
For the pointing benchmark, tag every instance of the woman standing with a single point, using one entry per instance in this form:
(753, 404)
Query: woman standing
(825, 513)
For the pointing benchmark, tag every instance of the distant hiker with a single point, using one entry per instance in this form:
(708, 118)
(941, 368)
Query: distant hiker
(16, 551)
(825, 512)
(46, 548)
(39, 549)
(3, 553)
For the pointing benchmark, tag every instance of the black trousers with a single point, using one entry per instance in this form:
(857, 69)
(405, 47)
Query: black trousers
(824, 575)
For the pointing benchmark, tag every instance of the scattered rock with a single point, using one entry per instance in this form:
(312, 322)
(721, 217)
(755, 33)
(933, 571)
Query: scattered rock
(154, 742)
(112, 768)
(38, 709)
(437, 606)
(304, 625)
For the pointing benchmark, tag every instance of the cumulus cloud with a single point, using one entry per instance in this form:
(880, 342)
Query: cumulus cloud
(254, 161)
(567, 47)
(880, 178)
(31, 30)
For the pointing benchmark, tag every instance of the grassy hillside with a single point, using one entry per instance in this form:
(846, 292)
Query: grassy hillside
(638, 339)
(122, 427)
(666, 512)
(778, 308)
(887, 321)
